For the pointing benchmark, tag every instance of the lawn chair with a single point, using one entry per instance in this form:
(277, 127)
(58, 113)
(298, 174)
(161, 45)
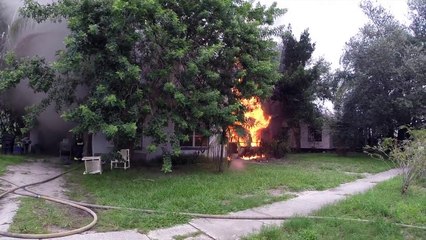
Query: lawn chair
(124, 160)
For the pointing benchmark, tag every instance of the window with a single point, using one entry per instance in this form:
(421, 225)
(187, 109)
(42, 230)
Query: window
(195, 140)
(200, 140)
(314, 135)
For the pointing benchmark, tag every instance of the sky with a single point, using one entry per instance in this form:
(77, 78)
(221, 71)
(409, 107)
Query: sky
(331, 23)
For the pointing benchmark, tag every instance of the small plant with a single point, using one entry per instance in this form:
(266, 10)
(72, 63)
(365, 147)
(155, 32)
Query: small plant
(409, 155)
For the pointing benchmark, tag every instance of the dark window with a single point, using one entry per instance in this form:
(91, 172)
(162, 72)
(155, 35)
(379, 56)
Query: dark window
(200, 140)
(314, 135)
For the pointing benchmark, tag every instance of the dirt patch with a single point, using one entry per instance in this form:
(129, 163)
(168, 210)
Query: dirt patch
(281, 191)
(188, 236)
(361, 175)
(247, 196)
(35, 171)
(55, 229)
(276, 192)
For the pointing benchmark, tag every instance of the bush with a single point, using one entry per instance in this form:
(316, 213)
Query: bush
(409, 155)
(276, 148)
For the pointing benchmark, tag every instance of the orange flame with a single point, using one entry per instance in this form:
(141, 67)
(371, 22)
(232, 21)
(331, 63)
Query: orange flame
(254, 157)
(255, 122)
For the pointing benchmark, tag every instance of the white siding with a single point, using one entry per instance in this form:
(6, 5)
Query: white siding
(325, 143)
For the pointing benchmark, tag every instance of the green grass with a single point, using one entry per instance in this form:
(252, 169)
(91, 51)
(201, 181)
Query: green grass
(197, 188)
(37, 216)
(6, 160)
(354, 162)
(384, 204)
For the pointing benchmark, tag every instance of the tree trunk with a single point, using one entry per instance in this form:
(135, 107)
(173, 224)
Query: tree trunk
(222, 142)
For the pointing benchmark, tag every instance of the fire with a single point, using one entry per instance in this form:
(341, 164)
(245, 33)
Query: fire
(256, 120)
(254, 157)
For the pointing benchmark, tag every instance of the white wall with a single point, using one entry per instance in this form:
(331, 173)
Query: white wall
(146, 141)
(326, 142)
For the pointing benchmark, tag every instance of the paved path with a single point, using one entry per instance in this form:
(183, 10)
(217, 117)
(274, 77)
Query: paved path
(200, 229)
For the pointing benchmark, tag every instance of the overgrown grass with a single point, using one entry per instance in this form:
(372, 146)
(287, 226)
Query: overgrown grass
(197, 188)
(384, 204)
(6, 160)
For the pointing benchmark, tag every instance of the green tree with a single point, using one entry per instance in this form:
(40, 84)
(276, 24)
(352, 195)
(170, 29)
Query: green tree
(155, 68)
(382, 84)
(418, 16)
(303, 80)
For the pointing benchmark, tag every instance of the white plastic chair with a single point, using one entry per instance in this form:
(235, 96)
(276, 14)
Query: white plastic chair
(125, 155)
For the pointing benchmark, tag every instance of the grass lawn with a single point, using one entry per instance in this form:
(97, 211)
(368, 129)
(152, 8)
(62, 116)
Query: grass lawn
(197, 188)
(6, 160)
(50, 217)
(384, 204)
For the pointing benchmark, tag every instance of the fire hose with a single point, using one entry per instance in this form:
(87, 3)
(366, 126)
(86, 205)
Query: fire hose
(86, 207)
(52, 199)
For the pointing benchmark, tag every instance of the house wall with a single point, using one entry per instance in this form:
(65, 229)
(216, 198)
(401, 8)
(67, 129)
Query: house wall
(213, 149)
(100, 144)
(145, 154)
(326, 142)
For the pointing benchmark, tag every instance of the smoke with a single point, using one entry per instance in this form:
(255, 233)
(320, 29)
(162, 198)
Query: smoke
(27, 38)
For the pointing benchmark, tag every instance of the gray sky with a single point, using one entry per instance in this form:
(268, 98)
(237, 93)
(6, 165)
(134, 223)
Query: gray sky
(331, 23)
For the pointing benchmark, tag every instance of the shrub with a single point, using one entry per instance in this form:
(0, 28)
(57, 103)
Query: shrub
(276, 148)
(409, 155)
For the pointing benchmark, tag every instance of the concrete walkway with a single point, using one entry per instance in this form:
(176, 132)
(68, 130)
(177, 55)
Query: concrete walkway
(221, 229)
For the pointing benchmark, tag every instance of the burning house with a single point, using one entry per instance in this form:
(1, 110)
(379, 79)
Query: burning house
(265, 122)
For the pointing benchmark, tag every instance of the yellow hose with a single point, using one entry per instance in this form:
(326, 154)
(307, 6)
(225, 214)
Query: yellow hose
(52, 199)
(61, 234)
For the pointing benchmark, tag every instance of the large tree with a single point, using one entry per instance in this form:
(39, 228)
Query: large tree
(302, 81)
(418, 17)
(382, 85)
(156, 68)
